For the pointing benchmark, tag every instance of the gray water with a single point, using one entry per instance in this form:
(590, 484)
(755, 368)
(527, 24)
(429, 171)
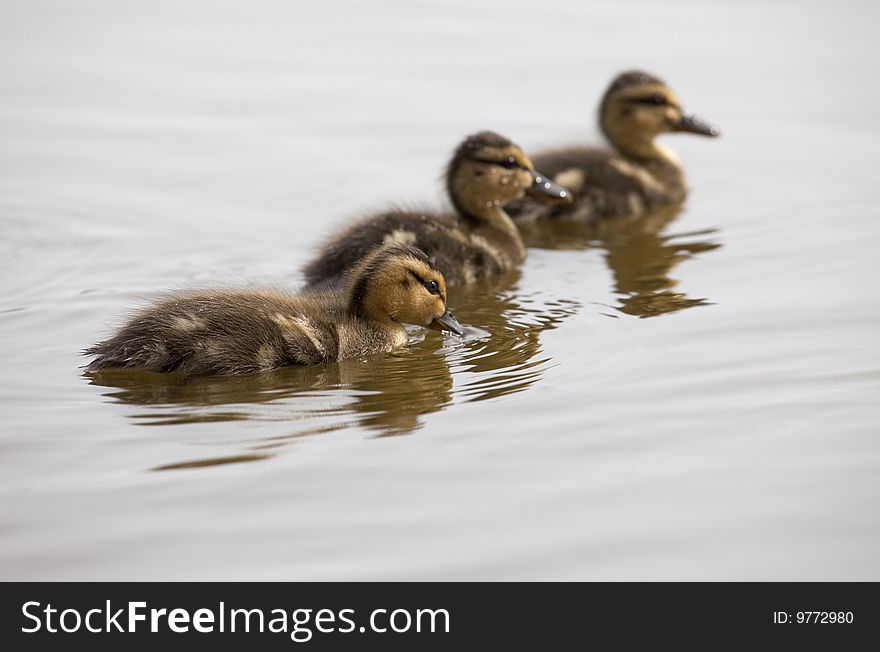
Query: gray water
(692, 396)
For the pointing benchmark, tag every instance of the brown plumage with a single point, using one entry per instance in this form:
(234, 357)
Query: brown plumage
(636, 174)
(486, 172)
(230, 332)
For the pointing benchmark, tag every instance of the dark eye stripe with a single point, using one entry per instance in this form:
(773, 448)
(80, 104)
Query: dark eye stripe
(508, 163)
(430, 285)
(654, 100)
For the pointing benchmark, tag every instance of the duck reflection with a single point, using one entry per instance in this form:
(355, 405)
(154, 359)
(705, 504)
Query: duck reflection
(387, 395)
(639, 253)
(304, 394)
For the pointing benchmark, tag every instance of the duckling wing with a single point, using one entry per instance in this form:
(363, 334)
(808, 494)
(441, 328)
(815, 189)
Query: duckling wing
(604, 185)
(429, 232)
(224, 333)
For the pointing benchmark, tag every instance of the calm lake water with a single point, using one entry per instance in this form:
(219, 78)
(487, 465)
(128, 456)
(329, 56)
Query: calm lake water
(692, 396)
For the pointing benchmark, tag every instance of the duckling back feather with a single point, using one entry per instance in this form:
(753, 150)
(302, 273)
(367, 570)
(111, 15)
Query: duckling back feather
(224, 332)
(605, 184)
(444, 238)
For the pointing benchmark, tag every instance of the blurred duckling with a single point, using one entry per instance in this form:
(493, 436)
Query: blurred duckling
(229, 332)
(486, 172)
(636, 174)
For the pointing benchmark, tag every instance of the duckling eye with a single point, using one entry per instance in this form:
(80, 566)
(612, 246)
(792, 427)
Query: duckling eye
(509, 163)
(432, 287)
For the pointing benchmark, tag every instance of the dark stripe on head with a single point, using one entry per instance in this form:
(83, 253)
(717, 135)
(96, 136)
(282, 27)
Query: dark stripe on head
(417, 277)
(397, 249)
(654, 99)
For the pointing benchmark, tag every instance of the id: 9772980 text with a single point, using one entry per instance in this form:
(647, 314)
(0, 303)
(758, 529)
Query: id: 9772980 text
(813, 617)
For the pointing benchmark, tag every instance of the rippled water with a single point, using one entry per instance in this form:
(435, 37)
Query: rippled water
(691, 395)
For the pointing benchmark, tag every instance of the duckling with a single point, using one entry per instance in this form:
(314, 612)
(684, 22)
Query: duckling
(486, 172)
(230, 332)
(637, 174)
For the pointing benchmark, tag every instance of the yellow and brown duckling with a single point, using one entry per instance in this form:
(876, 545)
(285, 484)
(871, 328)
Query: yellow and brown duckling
(231, 332)
(486, 172)
(636, 174)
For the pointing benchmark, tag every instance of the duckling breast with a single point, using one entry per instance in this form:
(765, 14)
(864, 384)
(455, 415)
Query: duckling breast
(358, 338)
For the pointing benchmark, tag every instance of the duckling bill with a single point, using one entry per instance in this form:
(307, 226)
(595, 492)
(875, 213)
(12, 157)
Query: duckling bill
(231, 332)
(635, 174)
(486, 172)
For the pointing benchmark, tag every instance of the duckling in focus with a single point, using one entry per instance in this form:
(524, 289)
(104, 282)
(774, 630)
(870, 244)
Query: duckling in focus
(486, 172)
(230, 332)
(636, 174)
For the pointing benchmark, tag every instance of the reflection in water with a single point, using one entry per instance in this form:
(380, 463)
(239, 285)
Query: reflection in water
(638, 253)
(509, 361)
(388, 395)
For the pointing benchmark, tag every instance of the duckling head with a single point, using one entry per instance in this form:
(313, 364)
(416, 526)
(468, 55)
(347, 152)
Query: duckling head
(487, 171)
(397, 283)
(637, 107)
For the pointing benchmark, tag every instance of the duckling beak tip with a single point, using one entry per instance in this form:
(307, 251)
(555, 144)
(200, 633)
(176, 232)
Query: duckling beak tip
(447, 322)
(547, 192)
(693, 125)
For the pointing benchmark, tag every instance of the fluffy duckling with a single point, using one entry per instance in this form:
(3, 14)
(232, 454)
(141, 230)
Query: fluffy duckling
(486, 172)
(247, 331)
(636, 174)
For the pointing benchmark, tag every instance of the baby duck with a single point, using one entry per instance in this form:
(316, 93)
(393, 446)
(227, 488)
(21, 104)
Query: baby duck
(230, 332)
(486, 172)
(634, 176)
